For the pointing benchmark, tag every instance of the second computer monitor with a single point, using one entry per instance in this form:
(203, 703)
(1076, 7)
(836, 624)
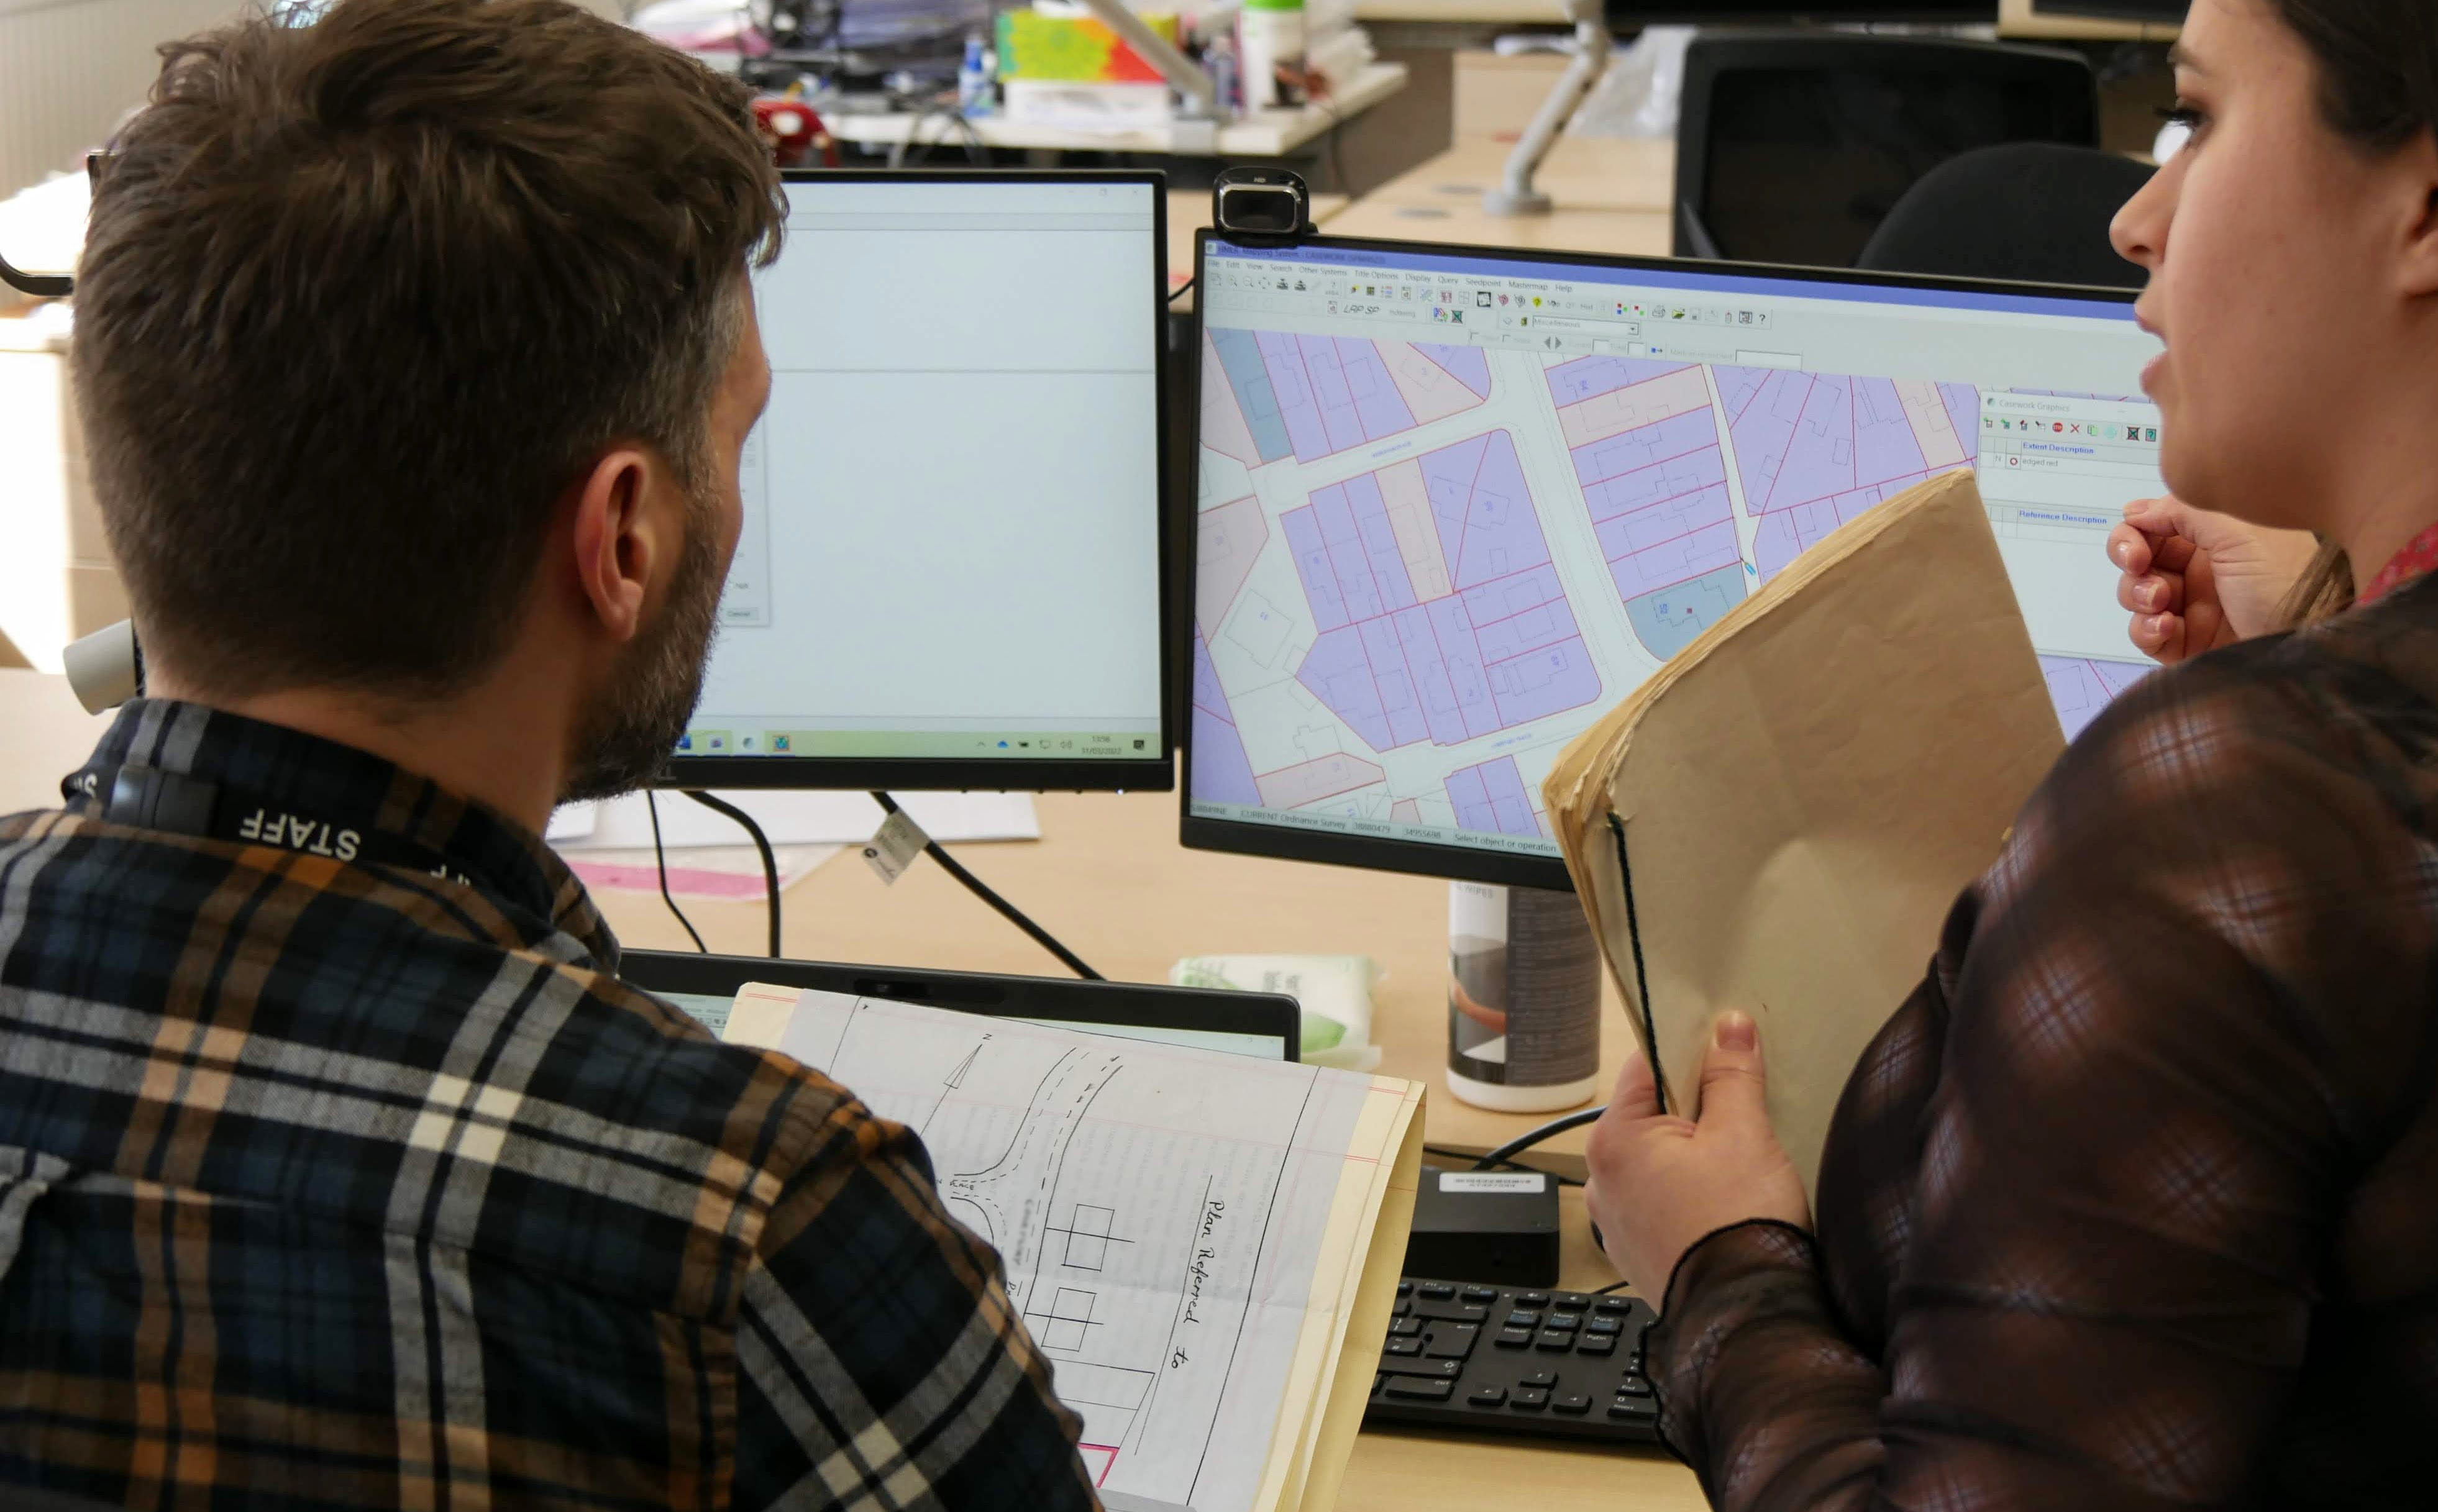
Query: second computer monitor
(1454, 505)
(949, 574)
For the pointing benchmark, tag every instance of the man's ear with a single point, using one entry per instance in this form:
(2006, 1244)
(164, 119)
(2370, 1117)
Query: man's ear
(617, 539)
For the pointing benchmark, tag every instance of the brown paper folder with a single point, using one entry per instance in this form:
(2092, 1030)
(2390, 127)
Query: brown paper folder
(1779, 819)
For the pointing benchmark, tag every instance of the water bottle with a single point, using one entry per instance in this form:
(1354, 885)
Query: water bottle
(974, 78)
(1269, 42)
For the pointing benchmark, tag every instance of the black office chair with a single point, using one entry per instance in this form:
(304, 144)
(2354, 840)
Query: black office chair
(2029, 211)
(1793, 147)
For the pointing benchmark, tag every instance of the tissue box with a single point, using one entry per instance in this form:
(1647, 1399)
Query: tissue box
(1333, 990)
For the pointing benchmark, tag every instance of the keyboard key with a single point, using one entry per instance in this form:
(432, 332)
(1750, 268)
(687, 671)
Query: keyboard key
(1549, 1339)
(1533, 1299)
(1616, 1307)
(1404, 1288)
(1575, 1402)
(1452, 1312)
(1543, 1378)
(1568, 1321)
(1433, 1369)
(1405, 1347)
(1409, 1389)
(1436, 1290)
(1452, 1341)
(1576, 1300)
(1520, 1318)
(1599, 1346)
(1404, 1327)
(1490, 1395)
(1483, 1295)
(1634, 1411)
(1378, 1381)
(1513, 1338)
(1599, 1324)
(1634, 1386)
(1528, 1399)
(1404, 1305)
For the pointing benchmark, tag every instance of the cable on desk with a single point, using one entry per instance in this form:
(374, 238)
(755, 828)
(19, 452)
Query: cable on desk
(975, 150)
(1506, 1153)
(761, 843)
(1613, 1285)
(661, 865)
(1180, 292)
(1007, 910)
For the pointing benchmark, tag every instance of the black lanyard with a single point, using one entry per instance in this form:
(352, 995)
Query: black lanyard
(152, 798)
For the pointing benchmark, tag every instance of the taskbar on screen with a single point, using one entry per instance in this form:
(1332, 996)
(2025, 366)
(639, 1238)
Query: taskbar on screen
(924, 745)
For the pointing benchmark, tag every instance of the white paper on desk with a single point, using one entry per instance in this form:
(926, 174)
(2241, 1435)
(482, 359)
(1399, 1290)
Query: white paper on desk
(789, 819)
(1167, 1217)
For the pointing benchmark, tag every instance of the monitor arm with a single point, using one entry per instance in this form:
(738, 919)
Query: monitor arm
(1515, 194)
(1188, 77)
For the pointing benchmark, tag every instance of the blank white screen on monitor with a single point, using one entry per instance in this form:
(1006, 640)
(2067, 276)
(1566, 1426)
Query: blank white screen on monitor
(951, 536)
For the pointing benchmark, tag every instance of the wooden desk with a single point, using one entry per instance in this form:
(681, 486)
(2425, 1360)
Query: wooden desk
(1108, 878)
(43, 736)
(1643, 233)
(1580, 173)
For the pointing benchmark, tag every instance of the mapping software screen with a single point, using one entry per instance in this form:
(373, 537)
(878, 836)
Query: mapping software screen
(951, 538)
(1452, 509)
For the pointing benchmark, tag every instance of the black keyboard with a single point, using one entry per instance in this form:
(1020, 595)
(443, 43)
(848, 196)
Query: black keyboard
(1509, 1360)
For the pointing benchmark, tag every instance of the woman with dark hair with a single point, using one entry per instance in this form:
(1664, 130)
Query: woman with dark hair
(2134, 1202)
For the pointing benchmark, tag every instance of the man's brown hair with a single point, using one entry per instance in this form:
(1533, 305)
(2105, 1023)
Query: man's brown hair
(361, 299)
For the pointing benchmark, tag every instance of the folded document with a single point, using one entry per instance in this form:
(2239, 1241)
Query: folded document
(1782, 817)
(1190, 1236)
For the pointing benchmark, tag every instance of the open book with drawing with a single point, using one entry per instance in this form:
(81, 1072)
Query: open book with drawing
(1779, 820)
(1205, 1246)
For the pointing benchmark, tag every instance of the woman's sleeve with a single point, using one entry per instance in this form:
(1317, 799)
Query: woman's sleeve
(2173, 1024)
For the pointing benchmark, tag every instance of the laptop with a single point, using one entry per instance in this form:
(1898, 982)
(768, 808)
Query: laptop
(1265, 1026)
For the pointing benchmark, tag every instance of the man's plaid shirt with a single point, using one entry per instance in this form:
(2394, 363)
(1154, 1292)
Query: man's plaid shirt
(331, 1185)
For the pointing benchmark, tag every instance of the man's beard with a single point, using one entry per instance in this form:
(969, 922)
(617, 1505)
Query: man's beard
(634, 723)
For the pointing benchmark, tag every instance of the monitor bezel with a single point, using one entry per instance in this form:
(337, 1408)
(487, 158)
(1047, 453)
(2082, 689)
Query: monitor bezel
(1154, 771)
(1126, 1005)
(1455, 862)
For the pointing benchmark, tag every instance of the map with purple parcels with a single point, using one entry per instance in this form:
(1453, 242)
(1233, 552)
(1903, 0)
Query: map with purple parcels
(1424, 568)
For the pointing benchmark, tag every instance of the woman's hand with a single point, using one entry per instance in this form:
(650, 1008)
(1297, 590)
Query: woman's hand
(1659, 1183)
(2197, 581)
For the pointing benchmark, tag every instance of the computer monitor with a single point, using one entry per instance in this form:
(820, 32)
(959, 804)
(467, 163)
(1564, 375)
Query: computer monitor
(1454, 504)
(950, 572)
